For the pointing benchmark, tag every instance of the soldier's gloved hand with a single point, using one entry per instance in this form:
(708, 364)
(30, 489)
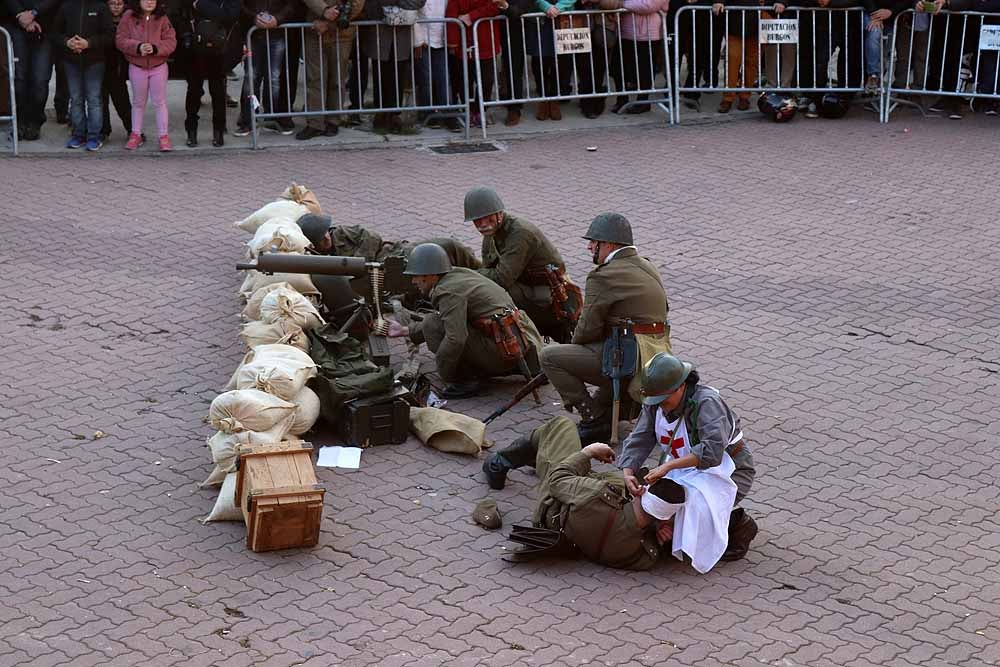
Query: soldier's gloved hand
(396, 330)
(600, 452)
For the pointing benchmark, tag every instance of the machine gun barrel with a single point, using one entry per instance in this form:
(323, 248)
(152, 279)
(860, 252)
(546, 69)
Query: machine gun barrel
(327, 265)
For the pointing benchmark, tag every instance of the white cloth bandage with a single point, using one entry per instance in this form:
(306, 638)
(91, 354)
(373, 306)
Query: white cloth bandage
(657, 507)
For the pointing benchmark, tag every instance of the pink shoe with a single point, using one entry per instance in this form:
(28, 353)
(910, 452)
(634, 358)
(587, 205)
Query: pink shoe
(165, 144)
(134, 141)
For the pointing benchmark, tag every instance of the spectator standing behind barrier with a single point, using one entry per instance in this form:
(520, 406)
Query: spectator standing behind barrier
(781, 56)
(741, 51)
(208, 26)
(700, 39)
(327, 54)
(821, 33)
(267, 53)
(512, 56)
(539, 39)
(29, 34)
(488, 34)
(432, 68)
(880, 18)
(986, 75)
(82, 29)
(147, 39)
(390, 45)
(603, 40)
(641, 35)
(113, 88)
(945, 58)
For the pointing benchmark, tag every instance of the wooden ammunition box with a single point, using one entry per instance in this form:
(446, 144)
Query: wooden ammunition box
(282, 502)
(376, 420)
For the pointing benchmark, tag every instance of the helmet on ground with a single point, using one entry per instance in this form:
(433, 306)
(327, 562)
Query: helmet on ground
(427, 259)
(610, 228)
(314, 226)
(833, 105)
(779, 108)
(481, 202)
(661, 376)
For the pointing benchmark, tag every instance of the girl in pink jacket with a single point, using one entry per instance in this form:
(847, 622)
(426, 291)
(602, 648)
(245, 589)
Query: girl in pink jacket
(146, 38)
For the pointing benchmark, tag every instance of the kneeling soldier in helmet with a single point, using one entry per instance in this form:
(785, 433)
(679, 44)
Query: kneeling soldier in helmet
(624, 289)
(518, 257)
(356, 241)
(475, 330)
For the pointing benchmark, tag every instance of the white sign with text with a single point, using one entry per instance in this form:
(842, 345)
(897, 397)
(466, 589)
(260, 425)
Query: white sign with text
(572, 40)
(989, 38)
(779, 31)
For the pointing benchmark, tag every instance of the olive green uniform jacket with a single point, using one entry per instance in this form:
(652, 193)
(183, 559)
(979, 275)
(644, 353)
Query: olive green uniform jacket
(592, 509)
(356, 241)
(511, 257)
(460, 297)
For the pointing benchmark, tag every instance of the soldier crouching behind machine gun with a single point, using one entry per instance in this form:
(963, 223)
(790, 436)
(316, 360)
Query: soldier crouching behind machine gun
(475, 331)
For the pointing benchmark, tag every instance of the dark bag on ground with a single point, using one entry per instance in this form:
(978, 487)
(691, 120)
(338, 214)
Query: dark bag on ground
(345, 372)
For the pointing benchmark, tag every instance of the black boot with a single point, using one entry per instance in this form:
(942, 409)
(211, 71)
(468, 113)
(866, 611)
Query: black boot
(519, 453)
(742, 530)
(594, 430)
(462, 389)
(192, 139)
(218, 138)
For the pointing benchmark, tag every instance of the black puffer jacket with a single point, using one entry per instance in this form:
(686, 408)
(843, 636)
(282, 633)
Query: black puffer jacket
(89, 19)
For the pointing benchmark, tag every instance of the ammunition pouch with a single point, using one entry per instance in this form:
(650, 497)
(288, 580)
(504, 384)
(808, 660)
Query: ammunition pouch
(505, 330)
(620, 357)
(567, 298)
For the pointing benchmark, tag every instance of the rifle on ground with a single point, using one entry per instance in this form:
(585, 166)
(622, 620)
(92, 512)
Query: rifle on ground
(539, 380)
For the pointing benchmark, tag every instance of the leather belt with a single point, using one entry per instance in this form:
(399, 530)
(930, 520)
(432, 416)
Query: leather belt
(650, 328)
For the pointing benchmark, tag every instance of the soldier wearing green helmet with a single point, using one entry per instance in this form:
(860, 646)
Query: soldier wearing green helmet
(697, 432)
(458, 330)
(518, 257)
(623, 286)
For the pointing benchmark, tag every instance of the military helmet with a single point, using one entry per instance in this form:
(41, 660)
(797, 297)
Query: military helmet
(610, 228)
(427, 259)
(778, 108)
(661, 376)
(481, 202)
(314, 226)
(833, 105)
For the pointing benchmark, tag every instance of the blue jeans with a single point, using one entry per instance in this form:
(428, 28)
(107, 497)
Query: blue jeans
(33, 54)
(86, 104)
(267, 48)
(432, 72)
(873, 48)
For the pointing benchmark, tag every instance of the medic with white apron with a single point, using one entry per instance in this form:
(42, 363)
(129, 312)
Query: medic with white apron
(701, 448)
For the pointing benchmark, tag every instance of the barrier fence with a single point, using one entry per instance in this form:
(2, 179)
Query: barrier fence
(330, 59)
(799, 50)
(8, 103)
(947, 54)
(572, 57)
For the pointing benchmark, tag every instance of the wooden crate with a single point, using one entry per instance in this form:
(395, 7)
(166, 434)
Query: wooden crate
(282, 502)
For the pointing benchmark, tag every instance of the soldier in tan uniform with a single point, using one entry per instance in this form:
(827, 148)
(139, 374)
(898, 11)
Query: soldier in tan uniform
(591, 511)
(518, 257)
(475, 330)
(356, 241)
(623, 286)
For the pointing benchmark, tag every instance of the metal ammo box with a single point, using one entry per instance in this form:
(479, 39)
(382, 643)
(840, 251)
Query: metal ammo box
(376, 420)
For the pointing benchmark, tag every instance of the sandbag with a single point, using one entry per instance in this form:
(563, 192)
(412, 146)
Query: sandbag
(302, 195)
(307, 411)
(279, 377)
(282, 208)
(224, 447)
(226, 508)
(300, 282)
(275, 351)
(286, 305)
(448, 431)
(255, 334)
(278, 235)
(249, 410)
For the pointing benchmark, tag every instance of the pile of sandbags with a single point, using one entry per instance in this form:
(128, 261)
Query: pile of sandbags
(266, 400)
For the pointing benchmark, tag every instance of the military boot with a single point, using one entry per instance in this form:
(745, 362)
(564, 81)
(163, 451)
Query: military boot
(519, 453)
(462, 389)
(592, 428)
(742, 530)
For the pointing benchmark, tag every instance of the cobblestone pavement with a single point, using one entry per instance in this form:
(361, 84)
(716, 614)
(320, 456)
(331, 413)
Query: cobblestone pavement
(839, 282)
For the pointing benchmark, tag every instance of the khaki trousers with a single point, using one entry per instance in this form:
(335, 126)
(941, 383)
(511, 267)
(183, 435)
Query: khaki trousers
(570, 368)
(327, 73)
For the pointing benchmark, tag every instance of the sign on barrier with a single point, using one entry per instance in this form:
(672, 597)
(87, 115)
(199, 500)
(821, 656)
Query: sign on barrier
(779, 31)
(572, 40)
(989, 38)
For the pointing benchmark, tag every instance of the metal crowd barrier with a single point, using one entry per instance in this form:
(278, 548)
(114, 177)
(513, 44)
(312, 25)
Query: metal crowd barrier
(403, 74)
(7, 65)
(587, 49)
(759, 50)
(946, 54)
